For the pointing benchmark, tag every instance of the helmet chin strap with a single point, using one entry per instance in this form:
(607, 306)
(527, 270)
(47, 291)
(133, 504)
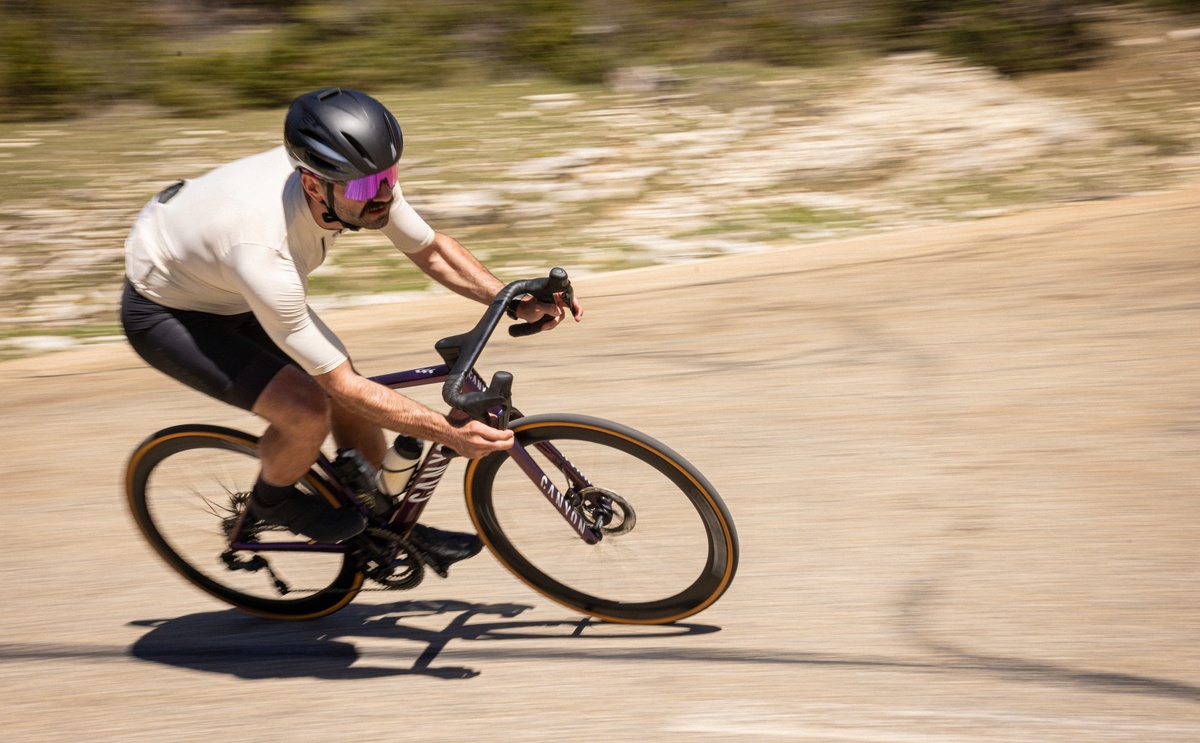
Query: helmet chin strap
(329, 216)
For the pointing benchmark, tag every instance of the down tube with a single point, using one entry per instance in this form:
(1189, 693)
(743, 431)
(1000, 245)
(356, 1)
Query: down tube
(552, 493)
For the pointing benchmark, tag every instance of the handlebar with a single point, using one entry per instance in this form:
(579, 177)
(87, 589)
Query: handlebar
(463, 350)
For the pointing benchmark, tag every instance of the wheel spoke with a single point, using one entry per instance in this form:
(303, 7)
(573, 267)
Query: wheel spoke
(668, 549)
(188, 488)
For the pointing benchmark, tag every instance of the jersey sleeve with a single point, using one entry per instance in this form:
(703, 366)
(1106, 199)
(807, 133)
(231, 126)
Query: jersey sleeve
(405, 228)
(276, 293)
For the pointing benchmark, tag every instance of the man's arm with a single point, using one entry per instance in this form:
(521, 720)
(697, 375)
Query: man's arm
(446, 261)
(393, 411)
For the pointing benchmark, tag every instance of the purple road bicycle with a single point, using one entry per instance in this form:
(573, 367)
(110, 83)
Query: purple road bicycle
(591, 514)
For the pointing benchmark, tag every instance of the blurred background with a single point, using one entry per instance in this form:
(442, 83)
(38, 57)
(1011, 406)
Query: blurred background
(595, 135)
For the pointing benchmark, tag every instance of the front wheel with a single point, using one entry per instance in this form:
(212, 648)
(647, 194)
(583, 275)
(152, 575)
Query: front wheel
(669, 548)
(188, 485)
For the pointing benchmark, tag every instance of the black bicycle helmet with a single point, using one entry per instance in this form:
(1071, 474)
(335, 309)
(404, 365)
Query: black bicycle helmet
(342, 134)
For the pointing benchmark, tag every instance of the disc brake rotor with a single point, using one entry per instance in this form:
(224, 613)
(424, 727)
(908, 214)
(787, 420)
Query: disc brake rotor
(595, 501)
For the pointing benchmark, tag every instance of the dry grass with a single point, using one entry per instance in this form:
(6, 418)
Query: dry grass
(71, 188)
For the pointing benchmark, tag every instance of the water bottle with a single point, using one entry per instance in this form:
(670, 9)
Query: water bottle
(399, 465)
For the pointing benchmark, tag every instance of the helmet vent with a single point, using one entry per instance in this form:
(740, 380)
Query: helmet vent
(362, 151)
(321, 163)
(342, 134)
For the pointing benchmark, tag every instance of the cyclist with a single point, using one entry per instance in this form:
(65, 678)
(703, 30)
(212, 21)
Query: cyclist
(216, 296)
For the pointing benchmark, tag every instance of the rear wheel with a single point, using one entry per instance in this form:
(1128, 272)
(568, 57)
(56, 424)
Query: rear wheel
(188, 485)
(669, 547)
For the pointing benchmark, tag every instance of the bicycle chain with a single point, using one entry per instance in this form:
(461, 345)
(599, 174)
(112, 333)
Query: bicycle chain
(367, 553)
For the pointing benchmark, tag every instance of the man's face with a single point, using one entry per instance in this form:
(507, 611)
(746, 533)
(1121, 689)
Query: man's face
(370, 215)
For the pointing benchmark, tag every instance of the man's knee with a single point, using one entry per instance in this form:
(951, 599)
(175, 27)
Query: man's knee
(295, 403)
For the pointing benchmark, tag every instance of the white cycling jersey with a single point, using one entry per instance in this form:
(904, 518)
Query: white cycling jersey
(240, 239)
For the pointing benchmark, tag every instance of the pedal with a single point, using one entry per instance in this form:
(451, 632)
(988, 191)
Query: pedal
(418, 550)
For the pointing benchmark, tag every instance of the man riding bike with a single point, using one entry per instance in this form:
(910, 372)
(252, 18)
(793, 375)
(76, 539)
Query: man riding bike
(216, 297)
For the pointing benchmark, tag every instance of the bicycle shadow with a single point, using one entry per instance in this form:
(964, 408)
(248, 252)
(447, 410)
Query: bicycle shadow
(237, 644)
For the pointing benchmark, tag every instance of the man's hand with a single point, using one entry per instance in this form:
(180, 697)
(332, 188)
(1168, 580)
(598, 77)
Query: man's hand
(385, 408)
(531, 310)
(475, 440)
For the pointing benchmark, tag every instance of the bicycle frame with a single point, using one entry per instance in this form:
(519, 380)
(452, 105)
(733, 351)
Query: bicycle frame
(431, 469)
(184, 515)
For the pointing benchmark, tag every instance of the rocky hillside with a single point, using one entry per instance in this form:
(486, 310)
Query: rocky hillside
(660, 166)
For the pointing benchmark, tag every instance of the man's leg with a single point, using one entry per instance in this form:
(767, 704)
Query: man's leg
(232, 359)
(352, 432)
(298, 412)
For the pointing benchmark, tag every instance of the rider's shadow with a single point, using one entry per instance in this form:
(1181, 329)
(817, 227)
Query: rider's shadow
(234, 643)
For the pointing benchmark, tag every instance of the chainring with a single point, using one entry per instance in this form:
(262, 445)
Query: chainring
(388, 559)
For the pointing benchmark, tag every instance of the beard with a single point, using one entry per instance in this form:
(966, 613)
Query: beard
(372, 215)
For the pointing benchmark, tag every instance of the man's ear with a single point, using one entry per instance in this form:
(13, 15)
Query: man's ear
(313, 186)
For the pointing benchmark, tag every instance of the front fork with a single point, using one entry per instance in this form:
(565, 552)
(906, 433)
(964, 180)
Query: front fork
(571, 503)
(586, 514)
(568, 504)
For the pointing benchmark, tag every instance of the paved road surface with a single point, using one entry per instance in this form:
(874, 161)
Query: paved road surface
(962, 461)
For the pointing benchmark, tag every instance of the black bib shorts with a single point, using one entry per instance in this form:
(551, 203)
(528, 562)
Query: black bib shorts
(229, 357)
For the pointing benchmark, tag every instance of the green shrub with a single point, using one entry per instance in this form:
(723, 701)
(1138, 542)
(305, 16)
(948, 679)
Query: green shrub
(1012, 36)
(1183, 6)
(59, 56)
(34, 76)
(197, 86)
(547, 37)
(777, 39)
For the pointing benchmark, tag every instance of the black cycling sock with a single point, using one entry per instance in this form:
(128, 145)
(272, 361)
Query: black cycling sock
(272, 495)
